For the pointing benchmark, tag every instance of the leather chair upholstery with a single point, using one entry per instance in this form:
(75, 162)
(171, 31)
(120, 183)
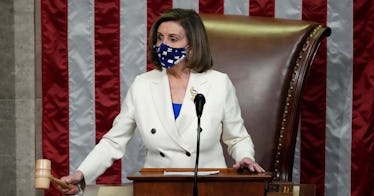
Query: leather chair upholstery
(267, 59)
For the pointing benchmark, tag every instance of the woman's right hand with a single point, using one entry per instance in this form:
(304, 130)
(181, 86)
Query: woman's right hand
(75, 179)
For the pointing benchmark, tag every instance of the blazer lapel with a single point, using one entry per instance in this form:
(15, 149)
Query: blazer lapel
(162, 102)
(198, 83)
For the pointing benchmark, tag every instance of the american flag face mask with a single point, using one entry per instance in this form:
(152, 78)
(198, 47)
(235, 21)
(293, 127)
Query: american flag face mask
(169, 56)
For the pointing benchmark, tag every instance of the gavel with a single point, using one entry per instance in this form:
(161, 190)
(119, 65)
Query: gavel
(43, 176)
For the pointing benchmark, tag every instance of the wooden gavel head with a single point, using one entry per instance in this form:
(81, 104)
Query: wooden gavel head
(42, 174)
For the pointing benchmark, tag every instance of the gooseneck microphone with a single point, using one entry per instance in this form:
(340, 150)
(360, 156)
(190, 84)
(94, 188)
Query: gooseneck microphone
(199, 101)
(199, 104)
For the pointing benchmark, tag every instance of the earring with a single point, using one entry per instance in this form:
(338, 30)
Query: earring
(189, 55)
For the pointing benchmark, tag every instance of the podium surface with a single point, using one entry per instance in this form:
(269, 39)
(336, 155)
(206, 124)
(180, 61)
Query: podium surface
(228, 181)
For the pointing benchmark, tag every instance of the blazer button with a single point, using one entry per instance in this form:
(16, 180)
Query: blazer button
(153, 130)
(188, 153)
(162, 154)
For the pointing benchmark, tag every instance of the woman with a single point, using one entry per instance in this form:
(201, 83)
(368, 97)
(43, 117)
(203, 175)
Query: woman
(160, 104)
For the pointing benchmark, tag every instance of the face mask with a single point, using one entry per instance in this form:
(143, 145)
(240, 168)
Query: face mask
(169, 56)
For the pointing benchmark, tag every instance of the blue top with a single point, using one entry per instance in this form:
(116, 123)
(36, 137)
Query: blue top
(177, 108)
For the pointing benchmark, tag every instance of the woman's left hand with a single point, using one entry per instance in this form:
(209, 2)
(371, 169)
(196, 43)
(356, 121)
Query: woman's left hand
(250, 164)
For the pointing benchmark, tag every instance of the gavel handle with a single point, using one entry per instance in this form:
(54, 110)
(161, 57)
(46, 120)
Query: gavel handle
(63, 184)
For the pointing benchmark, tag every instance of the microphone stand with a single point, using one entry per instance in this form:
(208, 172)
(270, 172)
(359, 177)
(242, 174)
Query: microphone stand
(197, 158)
(199, 101)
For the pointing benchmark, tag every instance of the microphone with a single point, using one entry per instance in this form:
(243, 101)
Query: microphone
(199, 104)
(199, 101)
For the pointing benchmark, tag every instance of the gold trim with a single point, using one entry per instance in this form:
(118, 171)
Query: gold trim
(290, 95)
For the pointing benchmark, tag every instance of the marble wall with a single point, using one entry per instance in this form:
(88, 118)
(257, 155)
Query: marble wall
(7, 99)
(19, 96)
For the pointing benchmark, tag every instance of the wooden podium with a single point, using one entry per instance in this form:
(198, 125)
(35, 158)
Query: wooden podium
(229, 181)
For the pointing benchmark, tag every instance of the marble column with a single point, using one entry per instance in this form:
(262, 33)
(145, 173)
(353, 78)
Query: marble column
(19, 97)
(7, 100)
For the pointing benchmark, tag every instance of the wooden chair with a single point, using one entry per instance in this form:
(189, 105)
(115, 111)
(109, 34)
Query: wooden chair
(268, 60)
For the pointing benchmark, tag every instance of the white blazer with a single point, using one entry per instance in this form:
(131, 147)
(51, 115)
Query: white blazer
(170, 142)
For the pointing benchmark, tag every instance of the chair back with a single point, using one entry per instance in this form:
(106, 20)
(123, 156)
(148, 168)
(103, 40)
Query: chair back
(267, 60)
